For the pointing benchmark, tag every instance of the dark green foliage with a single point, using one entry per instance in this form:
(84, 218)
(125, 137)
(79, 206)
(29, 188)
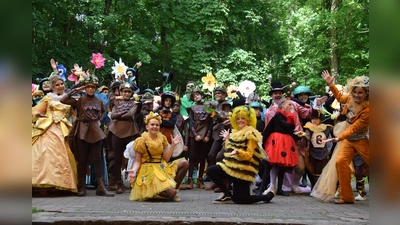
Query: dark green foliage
(235, 40)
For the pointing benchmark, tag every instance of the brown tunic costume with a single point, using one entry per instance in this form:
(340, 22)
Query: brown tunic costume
(123, 129)
(87, 137)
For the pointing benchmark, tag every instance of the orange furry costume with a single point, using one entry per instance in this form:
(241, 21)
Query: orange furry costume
(353, 139)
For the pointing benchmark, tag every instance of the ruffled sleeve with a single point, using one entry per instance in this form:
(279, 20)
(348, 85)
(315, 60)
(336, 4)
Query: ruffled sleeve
(139, 145)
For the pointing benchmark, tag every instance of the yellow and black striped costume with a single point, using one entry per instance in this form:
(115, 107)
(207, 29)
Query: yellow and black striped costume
(245, 164)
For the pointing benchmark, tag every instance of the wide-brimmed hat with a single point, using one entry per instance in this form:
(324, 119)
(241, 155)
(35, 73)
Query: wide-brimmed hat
(102, 88)
(126, 85)
(256, 105)
(148, 90)
(301, 89)
(116, 84)
(196, 90)
(168, 94)
(221, 89)
(91, 78)
(276, 86)
(133, 70)
(147, 98)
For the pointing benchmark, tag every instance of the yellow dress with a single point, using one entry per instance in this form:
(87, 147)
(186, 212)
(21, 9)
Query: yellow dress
(154, 176)
(53, 164)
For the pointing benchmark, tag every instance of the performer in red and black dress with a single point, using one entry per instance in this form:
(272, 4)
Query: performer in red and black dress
(279, 144)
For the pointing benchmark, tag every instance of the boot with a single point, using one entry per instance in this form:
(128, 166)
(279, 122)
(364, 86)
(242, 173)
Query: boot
(125, 188)
(189, 183)
(101, 188)
(81, 187)
(362, 195)
(280, 183)
(211, 187)
(120, 189)
(182, 187)
(200, 183)
(112, 183)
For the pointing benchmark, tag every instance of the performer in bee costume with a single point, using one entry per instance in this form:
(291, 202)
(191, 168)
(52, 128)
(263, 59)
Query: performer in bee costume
(242, 159)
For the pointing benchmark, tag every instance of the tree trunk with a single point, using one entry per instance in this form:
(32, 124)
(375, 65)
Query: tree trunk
(333, 42)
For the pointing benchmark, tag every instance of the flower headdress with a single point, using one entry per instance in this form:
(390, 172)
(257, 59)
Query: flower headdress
(246, 87)
(77, 74)
(97, 60)
(209, 82)
(80, 76)
(152, 115)
(119, 69)
(231, 91)
(360, 81)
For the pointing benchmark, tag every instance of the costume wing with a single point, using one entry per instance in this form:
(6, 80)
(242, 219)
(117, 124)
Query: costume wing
(263, 154)
(129, 153)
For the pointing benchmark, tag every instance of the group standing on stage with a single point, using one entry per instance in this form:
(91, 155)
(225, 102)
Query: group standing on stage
(180, 142)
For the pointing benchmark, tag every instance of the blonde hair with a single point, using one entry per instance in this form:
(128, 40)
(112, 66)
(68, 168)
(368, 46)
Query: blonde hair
(152, 115)
(53, 79)
(246, 112)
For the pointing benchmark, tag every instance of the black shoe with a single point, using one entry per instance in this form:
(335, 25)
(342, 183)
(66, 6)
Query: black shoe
(206, 179)
(303, 183)
(223, 199)
(270, 196)
(284, 193)
(259, 191)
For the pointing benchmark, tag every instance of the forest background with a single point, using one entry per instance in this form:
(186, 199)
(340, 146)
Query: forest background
(235, 40)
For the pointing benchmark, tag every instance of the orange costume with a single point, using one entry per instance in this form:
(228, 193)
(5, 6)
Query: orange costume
(354, 139)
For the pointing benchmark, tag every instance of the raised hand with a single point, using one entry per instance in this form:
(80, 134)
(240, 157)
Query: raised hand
(321, 100)
(176, 139)
(72, 91)
(224, 134)
(327, 77)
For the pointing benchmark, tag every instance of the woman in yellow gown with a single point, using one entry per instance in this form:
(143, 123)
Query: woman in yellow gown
(152, 176)
(53, 164)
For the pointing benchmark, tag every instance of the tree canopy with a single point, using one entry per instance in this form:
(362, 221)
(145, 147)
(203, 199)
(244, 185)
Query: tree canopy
(236, 40)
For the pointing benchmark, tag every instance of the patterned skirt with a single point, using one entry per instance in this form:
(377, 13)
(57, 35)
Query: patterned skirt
(281, 150)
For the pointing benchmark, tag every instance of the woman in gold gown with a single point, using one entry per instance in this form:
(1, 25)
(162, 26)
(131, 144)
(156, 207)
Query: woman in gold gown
(53, 164)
